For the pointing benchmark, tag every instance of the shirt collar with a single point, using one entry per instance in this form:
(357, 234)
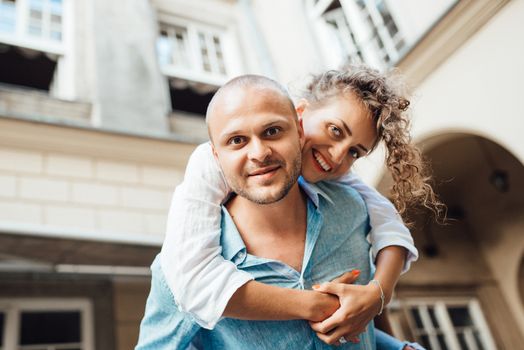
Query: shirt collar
(231, 241)
(313, 191)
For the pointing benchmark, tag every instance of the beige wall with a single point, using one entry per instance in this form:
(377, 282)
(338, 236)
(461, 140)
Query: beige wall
(85, 181)
(129, 302)
(476, 90)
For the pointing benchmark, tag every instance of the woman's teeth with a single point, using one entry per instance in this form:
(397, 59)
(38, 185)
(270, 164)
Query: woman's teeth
(320, 160)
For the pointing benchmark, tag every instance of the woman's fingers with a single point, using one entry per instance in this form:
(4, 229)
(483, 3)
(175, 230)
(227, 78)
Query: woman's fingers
(330, 287)
(348, 277)
(339, 336)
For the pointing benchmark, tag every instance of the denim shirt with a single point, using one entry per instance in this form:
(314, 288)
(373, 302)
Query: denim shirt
(337, 224)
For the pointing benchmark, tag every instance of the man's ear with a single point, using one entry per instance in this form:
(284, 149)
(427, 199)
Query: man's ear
(301, 107)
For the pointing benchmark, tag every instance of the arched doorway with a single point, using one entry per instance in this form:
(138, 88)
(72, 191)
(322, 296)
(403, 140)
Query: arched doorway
(476, 256)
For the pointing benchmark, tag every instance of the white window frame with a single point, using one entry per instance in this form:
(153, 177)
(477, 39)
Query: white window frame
(361, 30)
(195, 72)
(63, 85)
(23, 39)
(440, 306)
(12, 308)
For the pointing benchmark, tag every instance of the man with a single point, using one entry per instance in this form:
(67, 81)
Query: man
(282, 234)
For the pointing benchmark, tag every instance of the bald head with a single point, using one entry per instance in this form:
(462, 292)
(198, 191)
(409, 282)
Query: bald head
(237, 91)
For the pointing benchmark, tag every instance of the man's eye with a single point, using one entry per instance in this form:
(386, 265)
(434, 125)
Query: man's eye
(335, 130)
(354, 153)
(237, 140)
(272, 131)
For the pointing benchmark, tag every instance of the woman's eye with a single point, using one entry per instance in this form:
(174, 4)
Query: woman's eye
(272, 131)
(354, 153)
(335, 130)
(237, 140)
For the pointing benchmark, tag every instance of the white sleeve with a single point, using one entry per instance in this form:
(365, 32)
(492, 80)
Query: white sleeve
(387, 228)
(201, 280)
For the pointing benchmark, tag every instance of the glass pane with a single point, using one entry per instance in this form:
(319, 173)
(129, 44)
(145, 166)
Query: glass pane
(460, 316)
(36, 4)
(171, 46)
(424, 341)
(7, 16)
(478, 340)
(462, 341)
(56, 7)
(442, 342)
(433, 317)
(56, 35)
(2, 316)
(416, 317)
(37, 15)
(35, 30)
(56, 19)
(49, 327)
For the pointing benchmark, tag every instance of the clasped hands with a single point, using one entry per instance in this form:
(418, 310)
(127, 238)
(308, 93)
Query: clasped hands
(357, 306)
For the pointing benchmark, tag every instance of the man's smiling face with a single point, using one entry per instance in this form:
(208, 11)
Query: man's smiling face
(257, 141)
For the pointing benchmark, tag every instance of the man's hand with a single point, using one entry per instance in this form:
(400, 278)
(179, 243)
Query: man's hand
(358, 306)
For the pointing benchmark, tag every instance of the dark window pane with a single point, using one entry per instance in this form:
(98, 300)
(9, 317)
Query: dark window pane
(462, 341)
(189, 100)
(442, 342)
(460, 316)
(2, 329)
(424, 341)
(50, 327)
(18, 68)
(478, 341)
(416, 317)
(433, 317)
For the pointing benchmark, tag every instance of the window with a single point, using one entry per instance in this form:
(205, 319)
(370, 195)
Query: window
(448, 324)
(33, 47)
(196, 58)
(192, 51)
(357, 30)
(33, 24)
(53, 324)
(54, 329)
(347, 46)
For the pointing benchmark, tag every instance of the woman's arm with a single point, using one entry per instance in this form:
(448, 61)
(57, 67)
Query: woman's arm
(387, 228)
(259, 301)
(391, 241)
(201, 280)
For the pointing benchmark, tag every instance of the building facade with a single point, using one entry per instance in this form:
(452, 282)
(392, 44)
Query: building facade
(102, 102)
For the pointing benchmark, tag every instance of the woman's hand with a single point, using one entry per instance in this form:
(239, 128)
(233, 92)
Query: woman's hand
(322, 305)
(358, 306)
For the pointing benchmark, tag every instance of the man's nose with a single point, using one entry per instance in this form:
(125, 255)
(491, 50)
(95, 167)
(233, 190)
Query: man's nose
(259, 150)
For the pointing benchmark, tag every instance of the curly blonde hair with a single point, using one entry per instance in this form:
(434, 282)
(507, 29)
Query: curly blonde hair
(383, 95)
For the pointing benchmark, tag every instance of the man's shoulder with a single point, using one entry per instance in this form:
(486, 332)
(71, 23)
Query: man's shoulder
(341, 196)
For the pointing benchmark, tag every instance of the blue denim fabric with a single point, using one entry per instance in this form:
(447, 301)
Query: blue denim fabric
(335, 243)
(387, 342)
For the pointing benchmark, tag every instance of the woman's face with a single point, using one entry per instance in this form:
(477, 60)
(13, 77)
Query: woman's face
(337, 133)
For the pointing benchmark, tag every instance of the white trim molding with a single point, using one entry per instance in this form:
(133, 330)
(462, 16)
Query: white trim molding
(447, 36)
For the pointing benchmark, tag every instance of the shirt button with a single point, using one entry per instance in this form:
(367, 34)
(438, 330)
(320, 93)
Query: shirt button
(241, 255)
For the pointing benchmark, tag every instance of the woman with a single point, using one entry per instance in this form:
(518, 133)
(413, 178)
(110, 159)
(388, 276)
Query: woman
(345, 114)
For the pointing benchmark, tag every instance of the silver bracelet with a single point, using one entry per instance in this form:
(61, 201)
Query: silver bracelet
(382, 298)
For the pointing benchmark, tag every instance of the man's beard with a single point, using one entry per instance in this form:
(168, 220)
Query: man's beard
(262, 198)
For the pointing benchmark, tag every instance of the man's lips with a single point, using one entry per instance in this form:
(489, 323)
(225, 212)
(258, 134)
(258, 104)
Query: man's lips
(264, 170)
